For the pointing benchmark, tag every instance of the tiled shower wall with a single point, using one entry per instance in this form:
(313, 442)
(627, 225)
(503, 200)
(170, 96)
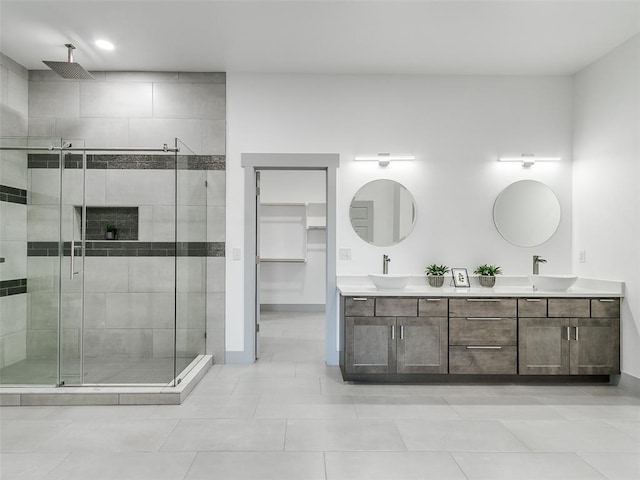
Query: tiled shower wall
(135, 109)
(146, 109)
(13, 215)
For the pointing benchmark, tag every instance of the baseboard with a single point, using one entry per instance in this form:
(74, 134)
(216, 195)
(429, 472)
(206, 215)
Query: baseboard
(627, 382)
(293, 307)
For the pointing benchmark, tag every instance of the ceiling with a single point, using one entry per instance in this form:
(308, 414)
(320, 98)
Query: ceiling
(514, 37)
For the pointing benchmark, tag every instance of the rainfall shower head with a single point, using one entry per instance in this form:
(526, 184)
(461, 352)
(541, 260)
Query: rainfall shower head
(69, 69)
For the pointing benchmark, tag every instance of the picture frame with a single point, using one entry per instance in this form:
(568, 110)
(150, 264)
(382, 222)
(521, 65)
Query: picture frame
(460, 277)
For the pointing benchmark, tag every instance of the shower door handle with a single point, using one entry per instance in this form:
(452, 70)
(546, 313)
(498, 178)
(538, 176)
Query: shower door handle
(71, 263)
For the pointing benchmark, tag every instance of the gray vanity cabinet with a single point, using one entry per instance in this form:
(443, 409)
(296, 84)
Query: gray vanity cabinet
(482, 336)
(577, 336)
(393, 338)
(389, 337)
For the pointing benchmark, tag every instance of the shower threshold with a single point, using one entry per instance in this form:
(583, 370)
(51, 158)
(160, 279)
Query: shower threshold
(108, 394)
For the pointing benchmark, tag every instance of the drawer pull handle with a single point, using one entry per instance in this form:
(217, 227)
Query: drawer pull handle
(471, 347)
(433, 299)
(607, 300)
(532, 300)
(360, 299)
(483, 300)
(484, 318)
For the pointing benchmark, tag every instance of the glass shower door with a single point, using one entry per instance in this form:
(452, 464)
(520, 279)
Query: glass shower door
(72, 204)
(191, 259)
(30, 249)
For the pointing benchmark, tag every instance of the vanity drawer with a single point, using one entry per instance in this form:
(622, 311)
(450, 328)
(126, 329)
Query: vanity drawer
(532, 307)
(605, 307)
(482, 331)
(569, 307)
(396, 307)
(359, 306)
(487, 360)
(433, 307)
(482, 307)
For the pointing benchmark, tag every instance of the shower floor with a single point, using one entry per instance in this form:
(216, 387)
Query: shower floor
(107, 371)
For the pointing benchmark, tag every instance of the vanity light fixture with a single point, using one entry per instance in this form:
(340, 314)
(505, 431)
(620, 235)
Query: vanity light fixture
(383, 159)
(528, 159)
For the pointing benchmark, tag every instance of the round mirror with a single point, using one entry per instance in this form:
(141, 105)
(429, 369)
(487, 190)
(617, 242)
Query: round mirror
(527, 213)
(383, 213)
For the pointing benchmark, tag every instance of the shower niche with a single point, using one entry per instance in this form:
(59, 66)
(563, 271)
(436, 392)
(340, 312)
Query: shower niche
(124, 219)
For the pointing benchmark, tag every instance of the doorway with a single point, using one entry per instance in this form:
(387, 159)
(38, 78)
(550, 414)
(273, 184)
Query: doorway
(293, 252)
(291, 273)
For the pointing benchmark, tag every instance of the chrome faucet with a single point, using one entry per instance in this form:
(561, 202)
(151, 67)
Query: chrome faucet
(385, 264)
(537, 260)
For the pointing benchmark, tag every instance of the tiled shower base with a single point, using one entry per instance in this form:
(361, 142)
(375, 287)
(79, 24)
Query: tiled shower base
(105, 373)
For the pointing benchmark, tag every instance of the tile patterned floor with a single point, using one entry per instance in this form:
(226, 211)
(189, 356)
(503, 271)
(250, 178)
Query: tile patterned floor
(290, 417)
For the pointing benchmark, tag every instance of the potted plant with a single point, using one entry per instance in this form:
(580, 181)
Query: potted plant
(110, 232)
(487, 274)
(435, 274)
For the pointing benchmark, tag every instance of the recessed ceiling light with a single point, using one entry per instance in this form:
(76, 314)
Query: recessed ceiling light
(105, 45)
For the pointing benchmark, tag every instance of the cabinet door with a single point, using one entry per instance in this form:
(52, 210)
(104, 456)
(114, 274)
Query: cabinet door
(543, 346)
(595, 346)
(370, 345)
(422, 345)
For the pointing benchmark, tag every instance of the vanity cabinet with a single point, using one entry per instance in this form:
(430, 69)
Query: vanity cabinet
(482, 336)
(576, 336)
(388, 335)
(406, 338)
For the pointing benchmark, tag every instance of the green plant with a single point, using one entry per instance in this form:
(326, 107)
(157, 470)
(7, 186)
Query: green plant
(434, 269)
(487, 270)
(110, 228)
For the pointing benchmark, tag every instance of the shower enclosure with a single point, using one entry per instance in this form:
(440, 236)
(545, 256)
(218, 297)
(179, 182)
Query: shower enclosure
(78, 307)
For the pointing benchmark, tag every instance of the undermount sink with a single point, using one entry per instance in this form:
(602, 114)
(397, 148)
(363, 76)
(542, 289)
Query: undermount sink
(389, 281)
(552, 283)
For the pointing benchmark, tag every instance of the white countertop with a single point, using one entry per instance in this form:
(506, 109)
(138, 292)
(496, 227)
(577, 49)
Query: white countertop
(506, 286)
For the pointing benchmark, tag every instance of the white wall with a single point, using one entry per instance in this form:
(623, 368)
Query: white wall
(456, 126)
(607, 182)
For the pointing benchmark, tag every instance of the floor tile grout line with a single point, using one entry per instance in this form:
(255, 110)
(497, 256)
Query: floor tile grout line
(404, 444)
(579, 455)
(175, 426)
(455, 460)
(193, 460)
(324, 459)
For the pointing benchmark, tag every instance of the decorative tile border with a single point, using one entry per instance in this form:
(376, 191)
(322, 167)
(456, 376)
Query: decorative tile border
(13, 195)
(13, 287)
(117, 248)
(129, 162)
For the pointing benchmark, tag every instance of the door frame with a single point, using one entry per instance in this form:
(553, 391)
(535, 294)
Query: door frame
(252, 162)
